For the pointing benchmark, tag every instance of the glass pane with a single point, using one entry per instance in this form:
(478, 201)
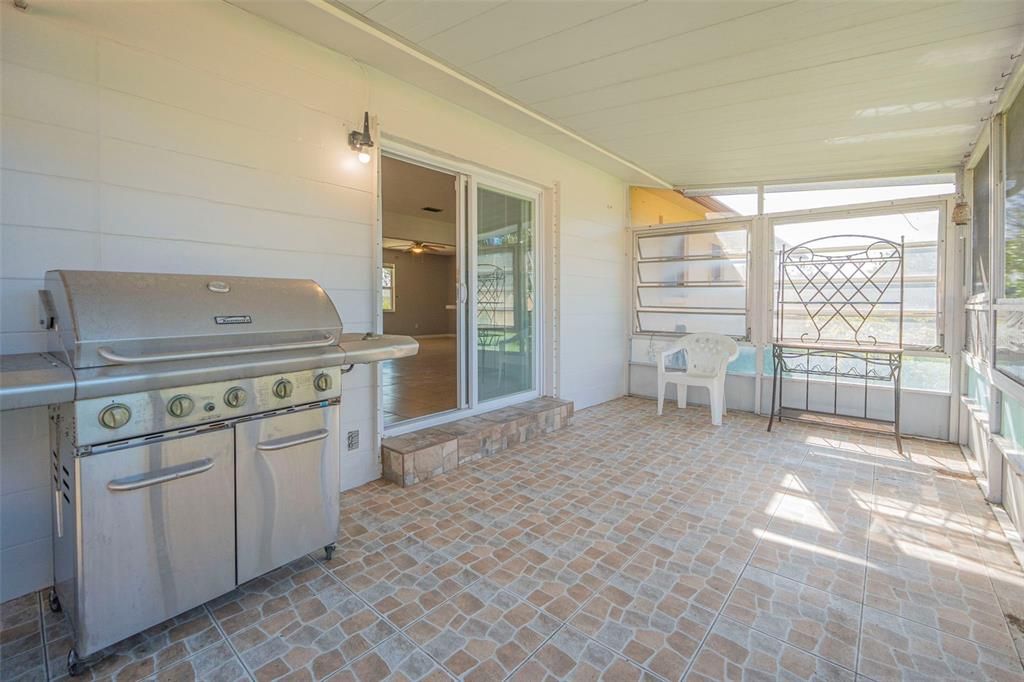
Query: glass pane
(977, 389)
(504, 294)
(725, 202)
(715, 243)
(1012, 424)
(920, 231)
(979, 229)
(684, 323)
(694, 271)
(693, 297)
(976, 341)
(1010, 343)
(926, 373)
(1014, 223)
(782, 198)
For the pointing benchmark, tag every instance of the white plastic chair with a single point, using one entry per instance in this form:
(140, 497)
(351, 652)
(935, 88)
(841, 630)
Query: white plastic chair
(707, 356)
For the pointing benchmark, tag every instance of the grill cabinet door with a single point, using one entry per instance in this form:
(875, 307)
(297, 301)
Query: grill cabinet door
(288, 483)
(156, 534)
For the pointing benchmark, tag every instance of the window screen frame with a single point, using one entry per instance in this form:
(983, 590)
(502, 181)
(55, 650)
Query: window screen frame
(971, 296)
(896, 206)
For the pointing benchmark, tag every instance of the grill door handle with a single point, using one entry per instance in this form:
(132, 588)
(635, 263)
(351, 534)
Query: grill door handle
(292, 441)
(161, 476)
(108, 353)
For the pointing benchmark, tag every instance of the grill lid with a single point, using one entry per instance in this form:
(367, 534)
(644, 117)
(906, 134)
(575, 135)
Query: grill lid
(116, 318)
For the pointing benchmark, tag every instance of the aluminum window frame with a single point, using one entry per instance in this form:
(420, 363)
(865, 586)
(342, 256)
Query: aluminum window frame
(967, 191)
(747, 223)
(875, 209)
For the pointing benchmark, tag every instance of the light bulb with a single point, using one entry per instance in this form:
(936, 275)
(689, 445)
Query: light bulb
(364, 157)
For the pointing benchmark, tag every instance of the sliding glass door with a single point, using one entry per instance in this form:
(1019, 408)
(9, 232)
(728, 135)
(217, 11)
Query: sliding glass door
(504, 316)
(462, 276)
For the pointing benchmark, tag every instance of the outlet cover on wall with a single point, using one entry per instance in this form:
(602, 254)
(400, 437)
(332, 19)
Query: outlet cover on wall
(353, 440)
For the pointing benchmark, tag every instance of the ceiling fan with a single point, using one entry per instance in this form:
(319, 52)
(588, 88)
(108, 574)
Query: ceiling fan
(409, 246)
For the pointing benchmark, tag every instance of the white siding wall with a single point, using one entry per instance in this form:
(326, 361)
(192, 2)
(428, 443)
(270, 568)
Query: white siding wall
(193, 137)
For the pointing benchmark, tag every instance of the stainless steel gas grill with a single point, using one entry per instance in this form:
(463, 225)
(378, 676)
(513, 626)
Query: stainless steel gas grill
(201, 448)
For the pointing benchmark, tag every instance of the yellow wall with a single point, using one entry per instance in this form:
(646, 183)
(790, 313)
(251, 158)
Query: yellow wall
(649, 206)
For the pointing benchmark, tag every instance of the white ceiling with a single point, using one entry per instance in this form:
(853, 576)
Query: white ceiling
(703, 93)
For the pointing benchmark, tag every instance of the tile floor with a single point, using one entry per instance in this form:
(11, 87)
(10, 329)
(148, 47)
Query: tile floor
(624, 547)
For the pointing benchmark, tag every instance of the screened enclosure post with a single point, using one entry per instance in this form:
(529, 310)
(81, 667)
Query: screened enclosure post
(903, 256)
(896, 409)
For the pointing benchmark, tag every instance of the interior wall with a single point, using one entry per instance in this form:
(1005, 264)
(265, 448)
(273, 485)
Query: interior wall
(424, 286)
(416, 228)
(195, 137)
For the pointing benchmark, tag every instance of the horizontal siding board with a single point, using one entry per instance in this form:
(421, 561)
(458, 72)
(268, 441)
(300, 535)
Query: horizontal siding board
(35, 147)
(147, 213)
(69, 203)
(133, 165)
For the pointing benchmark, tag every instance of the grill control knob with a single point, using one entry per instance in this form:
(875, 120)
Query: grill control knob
(323, 382)
(115, 416)
(283, 389)
(180, 406)
(235, 397)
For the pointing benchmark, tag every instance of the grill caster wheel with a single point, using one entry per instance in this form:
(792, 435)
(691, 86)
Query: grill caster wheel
(74, 664)
(54, 602)
(329, 551)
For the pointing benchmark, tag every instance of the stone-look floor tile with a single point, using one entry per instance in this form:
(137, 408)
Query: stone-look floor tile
(896, 648)
(960, 602)
(559, 577)
(483, 633)
(1008, 585)
(570, 655)
(688, 533)
(828, 477)
(393, 660)
(279, 590)
(217, 663)
(405, 578)
(803, 616)
(813, 564)
(840, 517)
(659, 608)
(735, 652)
(619, 495)
(138, 656)
(481, 541)
(310, 633)
(21, 639)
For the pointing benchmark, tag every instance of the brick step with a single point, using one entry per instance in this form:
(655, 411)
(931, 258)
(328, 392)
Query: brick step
(421, 455)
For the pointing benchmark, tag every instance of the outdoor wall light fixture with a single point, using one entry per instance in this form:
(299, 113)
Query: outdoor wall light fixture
(360, 140)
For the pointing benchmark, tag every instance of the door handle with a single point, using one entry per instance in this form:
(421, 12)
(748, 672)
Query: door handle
(161, 476)
(292, 441)
(113, 356)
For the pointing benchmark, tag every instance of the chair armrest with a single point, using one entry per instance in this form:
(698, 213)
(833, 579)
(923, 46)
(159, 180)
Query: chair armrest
(671, 349)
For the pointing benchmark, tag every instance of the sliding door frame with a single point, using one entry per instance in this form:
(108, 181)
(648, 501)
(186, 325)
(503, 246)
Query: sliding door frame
(535, 196)
(468, 178)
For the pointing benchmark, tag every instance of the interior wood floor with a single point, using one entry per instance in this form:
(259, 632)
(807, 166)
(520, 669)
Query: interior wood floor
(425, 383)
